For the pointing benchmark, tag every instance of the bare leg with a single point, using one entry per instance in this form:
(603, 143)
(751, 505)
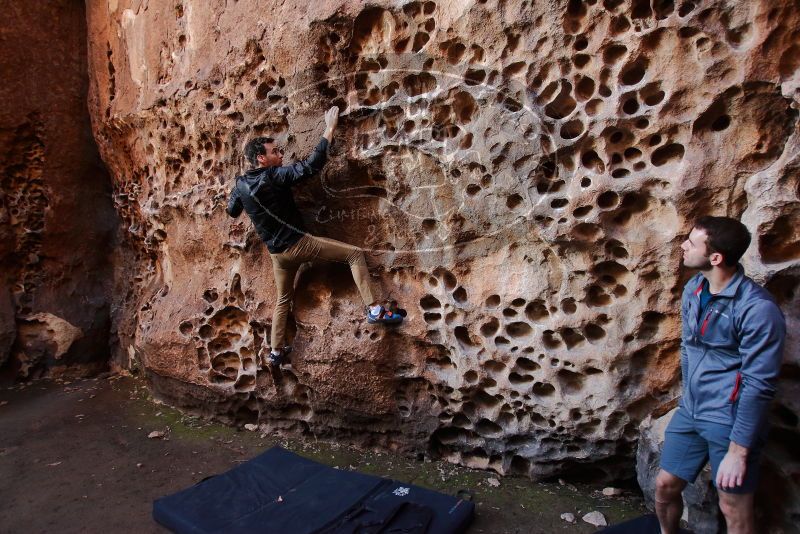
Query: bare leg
(738, 512)
(669, 503)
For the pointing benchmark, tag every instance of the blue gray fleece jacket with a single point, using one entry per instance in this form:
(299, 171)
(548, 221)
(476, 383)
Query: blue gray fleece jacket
(731, 355)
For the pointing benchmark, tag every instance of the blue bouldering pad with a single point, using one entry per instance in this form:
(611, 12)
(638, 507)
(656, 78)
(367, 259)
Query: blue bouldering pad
(646, 524)
(280, 492)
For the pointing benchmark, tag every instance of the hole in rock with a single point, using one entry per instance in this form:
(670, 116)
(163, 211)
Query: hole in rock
(206, 331)
(527, 364)
(488, 429)
(536, 311)
(432, 317)
(632, 153)
(609, 199)
(593, 332)
(571, 337)
(572, 129)
(490, 327)
(570, 382)
(474, 76)
(227, 364)
(613, 53)
(462, 335)
(500, 340)
(245, 382)
(420, 40)
(721, 123)
(654, 98)
(562, 105)
(517, 379)
(513, 201)
(518, 329)
(581, 60)
(485, 401)
(651, 321)
(541, 389)
(667, 154)
(633, 73)
(597, 297)
(584, 89)
(447, 277)
(460, 295)
(549, 340)
(493, 366)
(586, 231)
(417, 84)
(630, 106)
(592, 161)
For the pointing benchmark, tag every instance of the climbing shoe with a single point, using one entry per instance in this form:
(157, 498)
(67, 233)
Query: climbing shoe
(381, 315)
(281, 357)
(392, 306)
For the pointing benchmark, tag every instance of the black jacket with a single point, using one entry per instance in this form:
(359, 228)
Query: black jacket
(265, 194)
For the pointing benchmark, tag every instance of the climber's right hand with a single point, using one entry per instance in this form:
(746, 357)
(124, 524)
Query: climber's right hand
(331, 120)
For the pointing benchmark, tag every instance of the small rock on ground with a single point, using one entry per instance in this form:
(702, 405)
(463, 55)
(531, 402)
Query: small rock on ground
(595, 519)
(568, 517)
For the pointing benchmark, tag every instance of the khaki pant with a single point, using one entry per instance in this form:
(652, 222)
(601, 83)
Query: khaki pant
(310, 248)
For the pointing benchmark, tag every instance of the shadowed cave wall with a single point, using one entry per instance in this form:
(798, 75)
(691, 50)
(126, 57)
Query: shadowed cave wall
(57, 220)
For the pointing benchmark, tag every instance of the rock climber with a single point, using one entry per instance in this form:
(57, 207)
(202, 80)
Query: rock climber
(731, 349)
(265, 194)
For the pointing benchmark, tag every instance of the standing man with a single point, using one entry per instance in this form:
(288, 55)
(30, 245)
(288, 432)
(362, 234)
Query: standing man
(265, 193)
(731, 349)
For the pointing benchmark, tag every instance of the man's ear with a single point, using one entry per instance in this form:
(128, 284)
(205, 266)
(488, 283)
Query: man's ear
(260, 158)
(716, 258)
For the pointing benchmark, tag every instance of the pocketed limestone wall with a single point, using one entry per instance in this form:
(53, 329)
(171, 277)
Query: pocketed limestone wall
(521, 175)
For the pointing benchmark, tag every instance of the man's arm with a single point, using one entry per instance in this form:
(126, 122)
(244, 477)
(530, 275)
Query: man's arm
(685, 333)
(291, 175)
(761, 348)
(234, 208)
(295, 173)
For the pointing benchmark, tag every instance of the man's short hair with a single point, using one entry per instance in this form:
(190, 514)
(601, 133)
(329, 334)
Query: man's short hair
(726, 236)
(255, 148)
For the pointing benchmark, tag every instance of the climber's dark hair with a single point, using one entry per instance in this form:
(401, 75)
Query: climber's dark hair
(726, 236)
(255, 148)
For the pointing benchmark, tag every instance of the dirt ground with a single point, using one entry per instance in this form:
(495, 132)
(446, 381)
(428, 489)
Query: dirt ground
(76, 457)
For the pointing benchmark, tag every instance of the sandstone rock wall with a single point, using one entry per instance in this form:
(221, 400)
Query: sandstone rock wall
(520, 173)
(57, 221)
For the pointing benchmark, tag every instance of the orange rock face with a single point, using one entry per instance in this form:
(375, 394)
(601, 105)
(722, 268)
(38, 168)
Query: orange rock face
(521, 174)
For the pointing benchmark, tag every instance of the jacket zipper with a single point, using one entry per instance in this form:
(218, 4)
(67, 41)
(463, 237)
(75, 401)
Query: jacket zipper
(702, 333)
(705, 322)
